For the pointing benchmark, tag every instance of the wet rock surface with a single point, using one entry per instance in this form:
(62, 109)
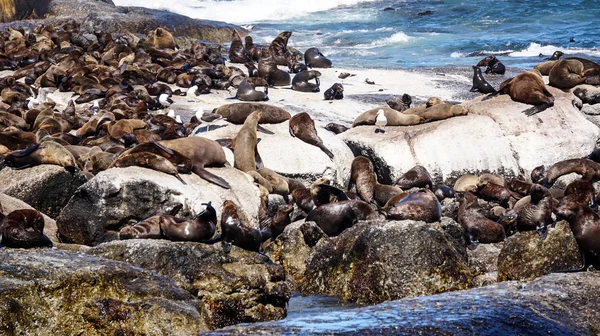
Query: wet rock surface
(235, 287)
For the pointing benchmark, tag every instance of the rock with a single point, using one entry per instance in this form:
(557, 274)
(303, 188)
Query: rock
(105, 16)
(484, 259)
(370, 263)
(301, 161)
(495, 137)
(292, 248)
(590, 110)
(526, 256)
(54, 292)
(239, 286)
(9, 204)
(556, 304)
(100, 207)
(47, 188)
(588, 94)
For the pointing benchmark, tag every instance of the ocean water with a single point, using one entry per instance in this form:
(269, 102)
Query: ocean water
(411, 33)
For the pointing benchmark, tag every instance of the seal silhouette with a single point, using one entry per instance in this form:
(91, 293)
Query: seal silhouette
(479, 83)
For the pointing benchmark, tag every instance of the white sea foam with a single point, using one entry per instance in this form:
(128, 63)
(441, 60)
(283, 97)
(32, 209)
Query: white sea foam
(396, 38)
(242, 11)
(534, 49)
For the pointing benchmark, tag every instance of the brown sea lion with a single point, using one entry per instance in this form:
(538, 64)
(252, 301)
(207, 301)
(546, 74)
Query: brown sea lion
(545, 67)
(238, 112)
(443, 191)
(278, 48)
(278, 182)
(566, 74)
(467, 182)
(394, 118)
(303, 199)
(585, 224)
(522, 188)
(400, 104)
(478, 228)
(314, 59)
(441, 112)
(536, 215)
(237, 233)
(244, 144)
(538, 174)
(181, 162)
(147, 160)
(267, 69)
(203, 153)
(247, 91)
(23, 229)
(527, 87)
(301, 81)
(588, 169)
(419, 206)
(200, 228)
(280, 220)
(493, 65)
(336, 128)
(163, 39)
(494, 192)
(323, 193)
(335, 92)
(148, 228)
(333, 218)
(118, 128)
(578, 192)
(237, 52)
(417, 176)
(48, 152)
(362, 174)
(303, 127)
(383, 193)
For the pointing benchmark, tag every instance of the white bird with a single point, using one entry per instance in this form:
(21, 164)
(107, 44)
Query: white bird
(40, 98)
(381, 121)
(199, 113)
(164, 100)
(191, 93)
(178, 119)
(95, 107)
(171, 113)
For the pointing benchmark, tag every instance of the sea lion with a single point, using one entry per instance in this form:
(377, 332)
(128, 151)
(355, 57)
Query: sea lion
(588, 169)
(522, 188)
(323, 193)
(535, 215)
(443, 191)
(237, 52)
(280, 220)
(336, 128)
(301, 81)
(333, 218)
(479, 83)
(314, 59)
(527, 87)
(336, 91)
(278, 48)
(147, 160)
(418, 110)
(394, 118)
(303, 199)
(278, 182)
(267, 69)
(200, 228)
(467, 182)
(148, 228)
(23, 229)
(383, 192)
(48, 152)
(238, 112)
(235, 232)
(417, 176)
(495, 193)
(580, 192)
(442, 111)
(362, 174)
(566, 74)
(245, 144)
(203, 153)
(493, 65)
(486, 178)
(247, 92)
(419, 206)
(162, 39)
(182, 163)
(303, 127)
(400, 104)
(545, 67)
(538, 174)
(478, 228)
(556, 55)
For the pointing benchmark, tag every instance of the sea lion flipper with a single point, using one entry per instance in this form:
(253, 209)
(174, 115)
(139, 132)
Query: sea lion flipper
(338, 193)
(210, 177)
(264, 130)
(162, 148)
(26, 151)
(326, 150)
(229, 143)
(179, 178)
(259, 161)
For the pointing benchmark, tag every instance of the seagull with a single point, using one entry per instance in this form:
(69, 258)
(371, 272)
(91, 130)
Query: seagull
(164, 100)
(171, 113)
(40, 98)
(381, 121)
(95, 107)
(191, 93)
(178, 119)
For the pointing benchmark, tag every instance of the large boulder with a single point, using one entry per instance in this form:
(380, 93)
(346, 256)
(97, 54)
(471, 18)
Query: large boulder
(100, 207)
(526, 256)
(9, 204)
(292, 157)
(494, 137)
(374, 262)
(292, 248)
(54, 292)
(235, 287)
(47, 188)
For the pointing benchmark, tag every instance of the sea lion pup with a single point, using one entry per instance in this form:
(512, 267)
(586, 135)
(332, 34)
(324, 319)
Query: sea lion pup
(201, 228)
(303, 127)
(23, 229)
(383, 192)
(281, 219)
(336, 128)
(203, 153)
(479, 83)
(419, 206)
(493, 65)
(588, 169)
(247, 91)
(237, 52)
(244, 144)
(545, 67)
(323, 193)
(400, 104)
(467, 182)
(314, 59)
(581, 192)
(278, 48)
(48, 152)
(303, 199)
(527, 87)
(362, 174)
(566, 74)
(520, 187)
(147, 160)
(237, 233)
(335, 92)
(538, 175)
(536, 215)
(238, 112)
(495, 193)
(267, 69)
(394, 118)
(301, 81)
(333, 218)
(417, 176)
(478, 228)
(443, 191)
(162, 39)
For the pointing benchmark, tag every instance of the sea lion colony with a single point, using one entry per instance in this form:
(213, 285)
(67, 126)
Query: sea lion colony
(127, 78)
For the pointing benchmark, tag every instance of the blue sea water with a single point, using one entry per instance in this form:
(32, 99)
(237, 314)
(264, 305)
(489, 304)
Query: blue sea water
(410, 33)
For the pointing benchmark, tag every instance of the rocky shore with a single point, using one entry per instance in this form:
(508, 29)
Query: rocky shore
(262, 250)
